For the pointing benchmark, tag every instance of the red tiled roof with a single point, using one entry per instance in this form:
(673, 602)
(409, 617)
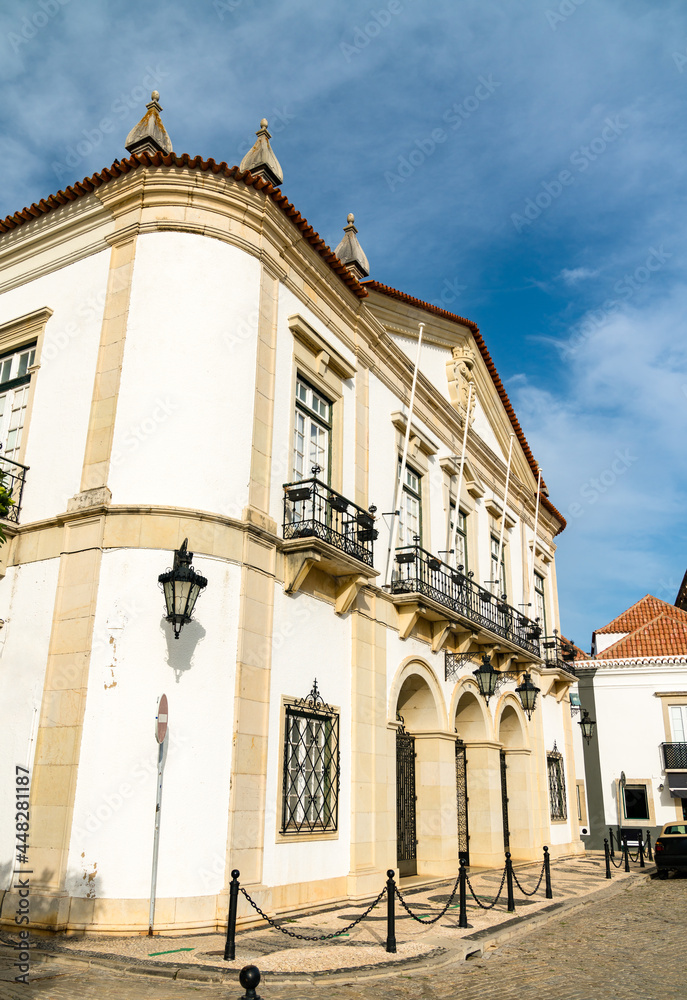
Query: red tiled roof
(641, 613)
(479, 340)
(119, 167)
(665, 635)
(579, 653)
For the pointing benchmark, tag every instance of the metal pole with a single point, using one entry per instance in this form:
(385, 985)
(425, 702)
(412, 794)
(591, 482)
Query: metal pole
(452, 542)
(534, 543)
(156, 838)
(463, 919)
(648, 846)
(509, 881)
(390, 914)
(607, 854)
(230, 944)
(547, 873)
(503, 516)
(626, 852)
(398, 491)
(610, 834)
(641, 852)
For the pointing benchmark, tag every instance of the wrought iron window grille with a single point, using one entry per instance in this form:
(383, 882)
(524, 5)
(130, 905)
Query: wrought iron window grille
(558, 653)
(674, 756)
(312, 509)
(312, 771)
(14, 479)
(557, 797)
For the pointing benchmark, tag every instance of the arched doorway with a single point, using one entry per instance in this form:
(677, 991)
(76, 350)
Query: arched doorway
(518, 826)
(471, 733)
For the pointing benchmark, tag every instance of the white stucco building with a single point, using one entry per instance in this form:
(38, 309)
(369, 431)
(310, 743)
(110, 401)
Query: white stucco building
(181, 344)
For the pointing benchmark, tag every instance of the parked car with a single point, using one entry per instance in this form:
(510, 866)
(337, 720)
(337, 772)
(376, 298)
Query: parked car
(670, 850)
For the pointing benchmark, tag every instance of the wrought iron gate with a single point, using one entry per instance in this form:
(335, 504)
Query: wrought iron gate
(462, 802)
(405, 802)
(504, 802)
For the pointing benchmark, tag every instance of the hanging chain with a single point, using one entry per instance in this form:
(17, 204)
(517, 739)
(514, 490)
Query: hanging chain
(424, 920)
(534, 891)
(498, 895)
(306, 937)
(620, 863)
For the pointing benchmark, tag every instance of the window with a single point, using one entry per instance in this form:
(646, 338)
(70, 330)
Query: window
(635, 802)
(460, 535)
(539, 602)
(410, 519)
(498, 575)
(311, 766)
(312, 432)
(678, 723)
(557, 801)
(14, 397)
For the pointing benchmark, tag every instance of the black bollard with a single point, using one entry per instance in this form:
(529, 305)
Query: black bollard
(509, 882)
(608, 858)
(626, 852)
(547, 873)
(648, 846)
(249, 977)
(641, 853)
(463, 920)
(390, 913)
(230, 945)
(610, 837)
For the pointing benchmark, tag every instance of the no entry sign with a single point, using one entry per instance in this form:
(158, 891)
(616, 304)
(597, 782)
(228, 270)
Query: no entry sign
(161, 719)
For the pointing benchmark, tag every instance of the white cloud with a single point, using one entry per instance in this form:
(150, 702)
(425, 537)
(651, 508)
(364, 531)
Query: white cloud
(577, 274)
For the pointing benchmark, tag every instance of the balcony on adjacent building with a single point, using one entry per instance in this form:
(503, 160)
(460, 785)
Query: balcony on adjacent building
(558, 653)
(325, 530)
(674, 756)
(13, 479)
(418, 572)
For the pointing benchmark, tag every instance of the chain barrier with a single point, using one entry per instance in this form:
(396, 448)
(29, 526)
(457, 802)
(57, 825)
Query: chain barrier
(498, 895)
(422, 920)
(620, 863)
(306, 937)
(536, 889)
(632, 857)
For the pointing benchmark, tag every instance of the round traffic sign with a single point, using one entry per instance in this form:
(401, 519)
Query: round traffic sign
(161, 719)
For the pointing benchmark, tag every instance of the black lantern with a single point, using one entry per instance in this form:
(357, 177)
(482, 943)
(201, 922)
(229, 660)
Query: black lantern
(181, 587)
(487, 678)
(587, 726)
(527, 693)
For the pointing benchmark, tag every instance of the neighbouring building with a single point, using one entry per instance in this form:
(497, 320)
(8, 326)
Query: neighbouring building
(635, 687)
(177, 343)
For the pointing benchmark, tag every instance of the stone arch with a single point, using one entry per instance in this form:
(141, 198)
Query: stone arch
(469, 713)
(416, 695)
(511, 727)
(512, 734)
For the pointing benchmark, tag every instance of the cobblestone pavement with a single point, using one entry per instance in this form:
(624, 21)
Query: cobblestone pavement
(628, 946)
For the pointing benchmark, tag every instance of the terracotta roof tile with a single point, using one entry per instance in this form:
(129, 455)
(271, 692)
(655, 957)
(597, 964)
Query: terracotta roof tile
(665, 635)
(641, 613)
(479, 340)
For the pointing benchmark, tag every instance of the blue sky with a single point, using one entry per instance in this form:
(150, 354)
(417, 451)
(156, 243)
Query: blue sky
(520, 162)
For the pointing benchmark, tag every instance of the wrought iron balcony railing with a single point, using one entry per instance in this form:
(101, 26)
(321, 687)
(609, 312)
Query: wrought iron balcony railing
(314, 510)
(674, 756)
(558, 653)
(418, 571)
(13, 479)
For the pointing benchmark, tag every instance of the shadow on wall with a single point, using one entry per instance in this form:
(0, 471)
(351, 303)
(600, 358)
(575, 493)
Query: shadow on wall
(180, 652)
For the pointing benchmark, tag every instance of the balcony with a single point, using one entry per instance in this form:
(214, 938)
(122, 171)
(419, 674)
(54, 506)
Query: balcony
(558, 653)
(14, 477)
(323, 528)
(674, 756)
(419, 572)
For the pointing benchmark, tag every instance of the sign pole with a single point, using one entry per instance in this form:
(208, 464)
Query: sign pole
(160, 733)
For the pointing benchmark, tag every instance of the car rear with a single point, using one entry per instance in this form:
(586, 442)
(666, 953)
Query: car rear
(670, 849)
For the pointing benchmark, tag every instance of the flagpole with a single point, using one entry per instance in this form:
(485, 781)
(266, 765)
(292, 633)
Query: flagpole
(452, 543)
(503, 516)
(534, 543)
(402, 471)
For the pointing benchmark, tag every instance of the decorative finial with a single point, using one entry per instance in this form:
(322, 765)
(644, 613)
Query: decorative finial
(150, 135)
(260, 159)
(350, 252)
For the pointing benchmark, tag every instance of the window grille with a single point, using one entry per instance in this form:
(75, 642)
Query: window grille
(554, 762)
(311, 766)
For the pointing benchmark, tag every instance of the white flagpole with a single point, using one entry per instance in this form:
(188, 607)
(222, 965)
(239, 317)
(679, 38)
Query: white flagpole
(454, 540)
(534, 544)
(402, 471)
(503, 516)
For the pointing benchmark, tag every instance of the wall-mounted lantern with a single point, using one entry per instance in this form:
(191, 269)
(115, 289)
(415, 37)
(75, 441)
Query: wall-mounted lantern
(587, 726)
(181, 586)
